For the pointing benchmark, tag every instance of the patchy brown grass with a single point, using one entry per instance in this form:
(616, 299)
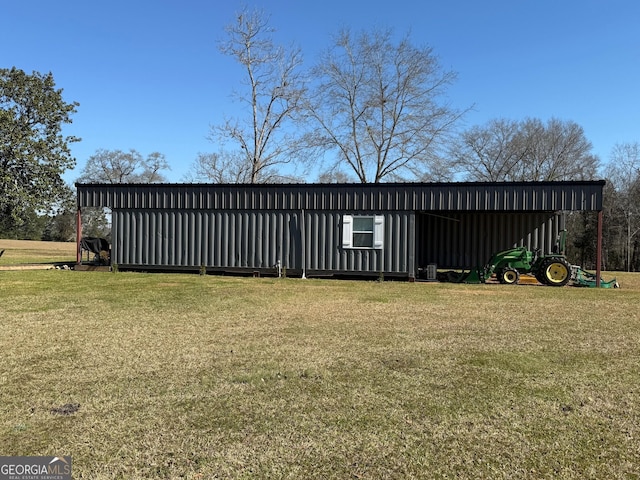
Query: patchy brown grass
(30, 251)
(182, 376)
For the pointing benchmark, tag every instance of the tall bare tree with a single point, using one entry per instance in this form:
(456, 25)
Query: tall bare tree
(487, 153)
(623, 172)
(529, 150)
(257, 146)
(219, 167)
(558, 150)
(380, 105)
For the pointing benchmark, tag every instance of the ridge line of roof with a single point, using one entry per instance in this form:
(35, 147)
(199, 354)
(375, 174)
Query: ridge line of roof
(345, 185)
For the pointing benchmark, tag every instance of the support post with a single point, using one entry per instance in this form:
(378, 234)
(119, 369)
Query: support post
(78, 237)
(303, 246)
(599, 250)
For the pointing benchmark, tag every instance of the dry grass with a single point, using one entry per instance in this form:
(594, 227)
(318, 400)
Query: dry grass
(30, 251)
(183, 376)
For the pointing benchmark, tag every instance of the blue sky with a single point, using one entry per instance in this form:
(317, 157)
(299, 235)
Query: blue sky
(148, 75)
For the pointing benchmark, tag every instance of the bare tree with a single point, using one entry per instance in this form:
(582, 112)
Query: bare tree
(219, 168)
(623, 171)
(222, 167)
(623, 168)
(256, 147)
(334, 176)
(380, 105)
(116, 166)
(558, 150)
(487, 153)
(529, 150)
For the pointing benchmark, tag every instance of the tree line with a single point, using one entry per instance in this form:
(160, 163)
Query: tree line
(373, 108)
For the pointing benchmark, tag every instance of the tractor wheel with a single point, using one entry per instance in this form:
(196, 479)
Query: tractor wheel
(555, 272)
(509, 276)
(539, 274)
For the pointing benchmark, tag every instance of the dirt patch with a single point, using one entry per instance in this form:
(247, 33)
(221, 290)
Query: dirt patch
(66, 409)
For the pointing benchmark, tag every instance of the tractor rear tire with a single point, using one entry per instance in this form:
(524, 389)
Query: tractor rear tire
(509, 276)
(555, 272)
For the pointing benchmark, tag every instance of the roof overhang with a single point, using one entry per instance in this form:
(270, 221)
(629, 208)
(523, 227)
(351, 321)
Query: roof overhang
(463, 196)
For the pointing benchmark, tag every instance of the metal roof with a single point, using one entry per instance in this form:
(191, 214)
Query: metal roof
(463, 196)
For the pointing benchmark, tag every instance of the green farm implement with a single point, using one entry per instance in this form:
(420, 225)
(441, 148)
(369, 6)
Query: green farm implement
(582, 278)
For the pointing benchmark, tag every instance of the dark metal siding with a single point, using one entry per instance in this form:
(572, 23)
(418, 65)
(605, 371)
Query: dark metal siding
(223, 239)
(230, 239)
(528, 196)
(258, 240)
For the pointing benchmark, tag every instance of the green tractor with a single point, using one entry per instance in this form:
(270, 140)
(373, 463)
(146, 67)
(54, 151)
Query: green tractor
(552, 269)
(508, 265)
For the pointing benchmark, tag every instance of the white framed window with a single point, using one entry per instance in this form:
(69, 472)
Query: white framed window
(363, 231)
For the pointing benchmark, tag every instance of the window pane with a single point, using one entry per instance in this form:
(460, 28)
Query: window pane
(363, 224)
(363, 240)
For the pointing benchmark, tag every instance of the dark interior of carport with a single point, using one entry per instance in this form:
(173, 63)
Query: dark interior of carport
(461, 240)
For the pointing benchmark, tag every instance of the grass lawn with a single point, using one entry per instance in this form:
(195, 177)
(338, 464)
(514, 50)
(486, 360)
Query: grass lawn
(187, 376)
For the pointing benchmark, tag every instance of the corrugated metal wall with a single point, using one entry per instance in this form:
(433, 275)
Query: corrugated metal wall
(229, 240)
(204, 237)
(464, 240)
(254, 240)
